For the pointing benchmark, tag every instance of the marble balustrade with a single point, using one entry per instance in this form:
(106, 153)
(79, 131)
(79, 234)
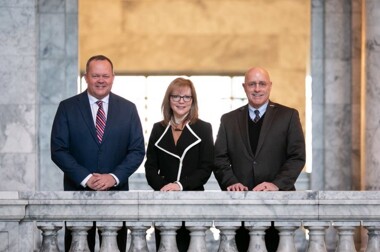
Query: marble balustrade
(24, 213)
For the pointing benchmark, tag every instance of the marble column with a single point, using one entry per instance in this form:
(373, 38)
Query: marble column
(338, 93)
(372, 112)
(18, 101)
(317, 231)
(57, 76)
(109, 234)
(168, 234)
(79, 235)
(227, 236)
(317, 103)
(373, 243)
(331, 91)
(346, 231)
(49, 233)
(197, 235)
(257, 235)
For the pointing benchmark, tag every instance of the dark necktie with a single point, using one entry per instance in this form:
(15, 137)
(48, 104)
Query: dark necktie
(257, 117)
(100, 121)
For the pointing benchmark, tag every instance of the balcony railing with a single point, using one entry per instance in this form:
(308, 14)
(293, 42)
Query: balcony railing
(343, 211)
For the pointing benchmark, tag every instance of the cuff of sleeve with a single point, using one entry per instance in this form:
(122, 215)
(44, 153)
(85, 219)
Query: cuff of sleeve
(116, 179)
(180, 185)
(84, 181)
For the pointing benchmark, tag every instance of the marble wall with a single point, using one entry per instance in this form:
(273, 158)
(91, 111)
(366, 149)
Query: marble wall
(18, 101)
(39, 67)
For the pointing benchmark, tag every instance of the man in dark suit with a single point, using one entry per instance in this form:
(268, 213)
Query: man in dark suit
(97, 139)
(259, 147)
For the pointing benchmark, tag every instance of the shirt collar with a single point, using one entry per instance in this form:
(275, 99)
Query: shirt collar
(93, 100)
(262, 109)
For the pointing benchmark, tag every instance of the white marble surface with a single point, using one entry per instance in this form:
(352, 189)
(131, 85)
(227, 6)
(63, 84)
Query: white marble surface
(343, 209)
(372, 95)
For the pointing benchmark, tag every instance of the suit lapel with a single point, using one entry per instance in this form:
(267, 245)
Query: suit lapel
(269, 116)
(243, 128)
(85, 109)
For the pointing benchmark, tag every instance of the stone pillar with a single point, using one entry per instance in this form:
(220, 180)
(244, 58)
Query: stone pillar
(257, 235)
(372, 112)
(318, 87)
(49, 234)
(168, 234)
(79, 235)
(57, 76)
(227, 235)
(346, 231)
(317, 231)
(109, 234)
(138, 236)
(338, 93)
(286, 232)
(197, 236)
(331, 91)
(373, 244)
(18, 101)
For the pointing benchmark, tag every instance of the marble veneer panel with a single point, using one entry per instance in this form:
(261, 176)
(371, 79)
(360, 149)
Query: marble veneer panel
(18, 31)
(337, 95)
(58, 73)
(372, 137)
(17, 147)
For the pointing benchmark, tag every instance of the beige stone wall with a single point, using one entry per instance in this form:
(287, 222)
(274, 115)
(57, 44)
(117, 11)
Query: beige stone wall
(202, 37)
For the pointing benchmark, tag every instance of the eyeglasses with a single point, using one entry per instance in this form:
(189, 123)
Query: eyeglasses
(260, 84)
(177, 98)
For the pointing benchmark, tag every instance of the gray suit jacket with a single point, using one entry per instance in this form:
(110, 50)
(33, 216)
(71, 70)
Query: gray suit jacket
(280, 153)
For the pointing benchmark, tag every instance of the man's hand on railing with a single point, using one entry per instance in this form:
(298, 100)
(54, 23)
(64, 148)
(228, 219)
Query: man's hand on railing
(237, 187)
(266, 186)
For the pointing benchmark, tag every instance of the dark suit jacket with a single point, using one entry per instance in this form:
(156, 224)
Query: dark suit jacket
(76, 151)
(280, 153)
(192, 158)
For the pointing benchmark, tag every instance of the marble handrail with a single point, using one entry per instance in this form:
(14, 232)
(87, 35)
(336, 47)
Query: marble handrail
(345, 210)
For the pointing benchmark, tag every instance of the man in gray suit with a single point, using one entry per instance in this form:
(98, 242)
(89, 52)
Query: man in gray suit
(259, 146)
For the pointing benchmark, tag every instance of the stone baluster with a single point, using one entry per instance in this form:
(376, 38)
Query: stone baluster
(346, 231)
(316, 235)
(49, 235)
(373, 228)
(168, 235)
(257, 235)
(79, 235)
(109, 234)
(227, 235)
(287, 230)
(197, 236)
(138, 235)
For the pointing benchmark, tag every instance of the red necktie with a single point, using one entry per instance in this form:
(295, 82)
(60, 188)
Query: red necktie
(100, 121)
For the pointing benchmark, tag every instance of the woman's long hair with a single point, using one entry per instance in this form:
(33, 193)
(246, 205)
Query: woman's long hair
(167, 111)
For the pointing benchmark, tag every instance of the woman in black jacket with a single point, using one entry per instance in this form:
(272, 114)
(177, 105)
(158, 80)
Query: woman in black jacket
(180, 151)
